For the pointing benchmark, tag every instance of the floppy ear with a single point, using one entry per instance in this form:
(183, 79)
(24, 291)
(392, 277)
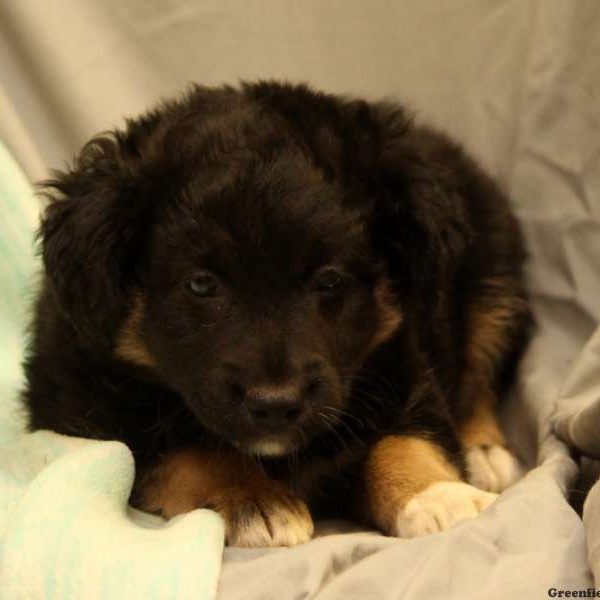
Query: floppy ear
(88, 234)
(420, 222)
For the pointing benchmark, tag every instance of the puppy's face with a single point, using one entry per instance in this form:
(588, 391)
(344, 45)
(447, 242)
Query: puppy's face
(259, 299)
(236, 243)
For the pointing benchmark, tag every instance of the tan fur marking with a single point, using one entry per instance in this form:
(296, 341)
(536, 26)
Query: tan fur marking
(129, 344)
(389, 315)
(482, 428)
(492, 319)
(194, 477)
(398, 468)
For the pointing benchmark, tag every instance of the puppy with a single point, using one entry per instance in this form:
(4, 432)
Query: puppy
(282, 299)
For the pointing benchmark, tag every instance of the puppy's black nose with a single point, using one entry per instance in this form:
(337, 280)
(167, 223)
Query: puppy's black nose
(274, 407)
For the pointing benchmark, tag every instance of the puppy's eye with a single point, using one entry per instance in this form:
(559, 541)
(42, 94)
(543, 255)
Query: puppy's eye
(203, 285)
(330, 282)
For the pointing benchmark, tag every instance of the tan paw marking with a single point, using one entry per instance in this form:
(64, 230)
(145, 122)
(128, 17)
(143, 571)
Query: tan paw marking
(267, 519)
(492, 468)
(440, 506)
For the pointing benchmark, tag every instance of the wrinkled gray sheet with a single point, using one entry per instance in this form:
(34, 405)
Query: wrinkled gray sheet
(519, 83)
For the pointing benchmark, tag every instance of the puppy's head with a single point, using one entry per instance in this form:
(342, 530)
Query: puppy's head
(236, 258)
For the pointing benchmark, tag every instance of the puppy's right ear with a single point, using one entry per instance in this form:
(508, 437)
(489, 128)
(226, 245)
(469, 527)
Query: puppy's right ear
(88, 235)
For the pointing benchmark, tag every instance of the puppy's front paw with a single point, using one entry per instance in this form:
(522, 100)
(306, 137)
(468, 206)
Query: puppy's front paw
(440, 506)
(492, 468)
(268, 517)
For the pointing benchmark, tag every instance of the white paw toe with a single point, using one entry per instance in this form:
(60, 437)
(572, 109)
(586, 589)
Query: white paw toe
(440, 506)
(492, 468)
(269, 521)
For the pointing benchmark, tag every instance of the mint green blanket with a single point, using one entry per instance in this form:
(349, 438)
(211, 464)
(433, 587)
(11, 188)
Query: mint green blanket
(66, 531)
(18, 215)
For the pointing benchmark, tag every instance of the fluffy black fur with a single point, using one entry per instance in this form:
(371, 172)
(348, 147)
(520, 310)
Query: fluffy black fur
(293, 209)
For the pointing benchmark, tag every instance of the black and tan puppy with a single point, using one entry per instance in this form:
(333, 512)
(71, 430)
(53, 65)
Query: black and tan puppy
(281, 299)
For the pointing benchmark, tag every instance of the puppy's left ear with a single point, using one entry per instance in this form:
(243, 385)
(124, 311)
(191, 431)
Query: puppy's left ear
(420, 223)
(88, 235)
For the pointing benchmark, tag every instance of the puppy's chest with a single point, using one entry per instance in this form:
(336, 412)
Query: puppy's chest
(319, 477)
